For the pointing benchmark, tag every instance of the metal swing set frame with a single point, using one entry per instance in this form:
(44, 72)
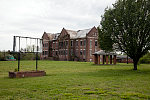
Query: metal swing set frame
(19, 51)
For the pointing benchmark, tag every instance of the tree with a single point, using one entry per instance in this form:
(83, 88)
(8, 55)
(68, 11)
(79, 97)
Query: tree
(127, 25)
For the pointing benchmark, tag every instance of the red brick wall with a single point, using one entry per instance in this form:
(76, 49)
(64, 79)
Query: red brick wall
(45, 49)
(92, 36)
(74, 52)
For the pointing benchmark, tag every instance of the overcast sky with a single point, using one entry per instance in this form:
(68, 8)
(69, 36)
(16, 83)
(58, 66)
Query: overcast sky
(33, 17)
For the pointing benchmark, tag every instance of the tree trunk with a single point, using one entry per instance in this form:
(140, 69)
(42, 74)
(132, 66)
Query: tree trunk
(135, 61)
(135, 66)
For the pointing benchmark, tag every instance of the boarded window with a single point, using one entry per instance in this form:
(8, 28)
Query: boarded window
(90, 43)
(90, 52)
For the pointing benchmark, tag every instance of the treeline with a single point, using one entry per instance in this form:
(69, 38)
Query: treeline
(145, 59)
(23, 56)
(26, 56)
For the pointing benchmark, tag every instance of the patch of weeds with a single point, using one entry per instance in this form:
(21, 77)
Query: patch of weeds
(139, 95)
(74, 97)
(116, 86)
(79, 85)
(85, 88)
(63, 87)
(105, 94)
(131, 94)
(67, 94)
(11, 99)
(96, 89)
(34, 90)
(90, 92)
(74, 88)
(113, 93)
(101, 92)
(45, 91)
(124, 97)
(15, 70)
(143, 96)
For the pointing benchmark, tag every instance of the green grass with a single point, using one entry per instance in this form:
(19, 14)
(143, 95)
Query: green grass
(75, 81)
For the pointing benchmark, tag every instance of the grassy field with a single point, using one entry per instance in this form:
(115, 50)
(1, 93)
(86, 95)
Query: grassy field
(75, 81)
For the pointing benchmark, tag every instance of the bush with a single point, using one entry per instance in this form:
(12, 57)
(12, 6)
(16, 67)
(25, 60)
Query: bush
(2, 55)
(145, 59)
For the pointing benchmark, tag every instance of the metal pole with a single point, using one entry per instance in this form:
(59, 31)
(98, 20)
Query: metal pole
(37, 56)
(19, 56)
(18, 61)
(14, 44)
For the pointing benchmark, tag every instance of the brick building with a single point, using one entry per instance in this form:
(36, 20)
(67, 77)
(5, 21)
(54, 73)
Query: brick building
(71, 45)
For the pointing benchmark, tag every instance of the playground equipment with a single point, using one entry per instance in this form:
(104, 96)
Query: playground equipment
(10, 58)
(21, 45)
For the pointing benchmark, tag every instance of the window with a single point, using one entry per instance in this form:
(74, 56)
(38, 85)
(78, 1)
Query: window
(84, 52)
(90, 43)
(76, 52)
(95, 34)
(66, 43)
(66, 52)
(84, 43)
(45, 45)
(81, 43)
(96, 43)
(46, 52)
(71, 51)
(53, 53)
(71, 43)
(60, 44)
(76, 42)
(81, 52)
(90, 52)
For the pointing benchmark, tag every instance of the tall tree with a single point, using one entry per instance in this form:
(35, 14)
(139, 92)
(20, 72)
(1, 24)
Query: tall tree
(127, 25)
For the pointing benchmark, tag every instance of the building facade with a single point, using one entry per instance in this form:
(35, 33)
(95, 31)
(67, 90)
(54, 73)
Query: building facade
(71, 45)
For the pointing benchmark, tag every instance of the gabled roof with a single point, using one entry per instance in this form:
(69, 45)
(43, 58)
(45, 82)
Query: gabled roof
(82, 33)
(56, 36)
(78, 34)
(72, 33)
(52, 36)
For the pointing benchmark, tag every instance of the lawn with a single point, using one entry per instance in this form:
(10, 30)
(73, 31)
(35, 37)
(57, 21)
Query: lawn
(75, 81)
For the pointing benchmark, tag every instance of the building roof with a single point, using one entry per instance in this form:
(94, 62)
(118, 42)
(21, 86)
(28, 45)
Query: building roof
(72, 33)
(122, 57)
(102, 52)
(82, 33)
(79, 33)
(52, 36)
(56, 36)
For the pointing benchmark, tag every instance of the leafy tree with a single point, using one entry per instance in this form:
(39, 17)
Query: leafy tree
(127, 25)
(105, 41)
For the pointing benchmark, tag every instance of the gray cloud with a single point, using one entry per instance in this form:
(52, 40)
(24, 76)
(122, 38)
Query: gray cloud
(33, 17)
